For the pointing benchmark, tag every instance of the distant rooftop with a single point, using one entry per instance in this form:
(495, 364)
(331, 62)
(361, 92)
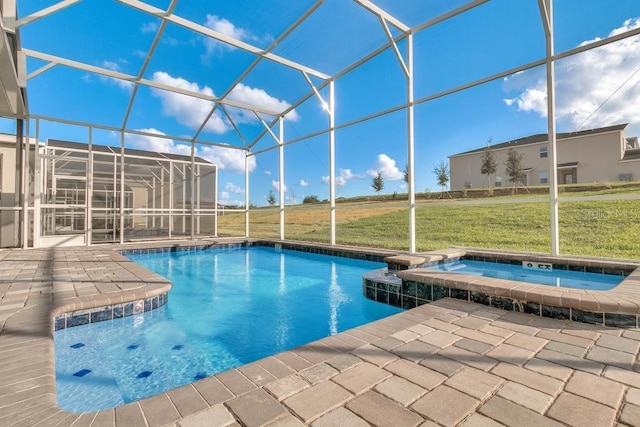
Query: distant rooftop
(543, 137)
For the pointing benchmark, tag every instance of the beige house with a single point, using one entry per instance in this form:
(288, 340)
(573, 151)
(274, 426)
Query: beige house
(594, 155)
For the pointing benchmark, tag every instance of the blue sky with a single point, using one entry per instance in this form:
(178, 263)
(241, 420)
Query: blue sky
(594, 89)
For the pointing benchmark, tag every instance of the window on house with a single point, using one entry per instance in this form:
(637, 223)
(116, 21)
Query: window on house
(498, 182)
(544, 152)
(544, 177)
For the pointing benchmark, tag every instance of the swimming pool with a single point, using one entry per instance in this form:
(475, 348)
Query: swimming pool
(551, 277)
(228, 307)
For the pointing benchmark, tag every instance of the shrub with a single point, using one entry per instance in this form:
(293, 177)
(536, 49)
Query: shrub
(311, 199)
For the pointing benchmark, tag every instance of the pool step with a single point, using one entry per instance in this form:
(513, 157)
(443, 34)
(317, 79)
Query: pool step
(402, 262)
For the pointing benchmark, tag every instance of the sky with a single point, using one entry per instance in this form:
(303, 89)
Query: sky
(593, 89)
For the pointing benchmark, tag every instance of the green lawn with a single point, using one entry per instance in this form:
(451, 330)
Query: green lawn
(598, 228)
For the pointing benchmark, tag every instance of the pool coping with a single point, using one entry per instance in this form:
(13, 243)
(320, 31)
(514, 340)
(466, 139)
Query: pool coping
(55, 285)
(619, 306)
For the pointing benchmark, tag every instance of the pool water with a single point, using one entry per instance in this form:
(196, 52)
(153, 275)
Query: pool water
(558, 278)
(227, 307)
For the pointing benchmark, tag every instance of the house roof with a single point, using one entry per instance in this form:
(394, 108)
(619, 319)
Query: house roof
(542, 137)
(632, 154)
(130, 151)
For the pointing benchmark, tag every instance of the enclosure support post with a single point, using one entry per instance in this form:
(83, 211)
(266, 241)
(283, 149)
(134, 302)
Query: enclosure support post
(246, 193)
(192, 195)
(171, 199)
(546, 12)
(410, 147)
(184, 199)
(281, 174)
(121, 187)
(37, 189)
(25, 185)
(332, 161)
(88, 195)
(153, 203)
(215, 201)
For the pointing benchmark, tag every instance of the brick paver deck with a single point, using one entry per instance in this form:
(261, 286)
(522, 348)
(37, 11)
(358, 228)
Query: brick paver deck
(447, 363)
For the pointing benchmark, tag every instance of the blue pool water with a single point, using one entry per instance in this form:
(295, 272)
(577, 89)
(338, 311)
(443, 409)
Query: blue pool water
(560, 278)
(226, 308)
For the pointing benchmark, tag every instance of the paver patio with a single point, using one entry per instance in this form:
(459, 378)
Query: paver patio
(446, 363)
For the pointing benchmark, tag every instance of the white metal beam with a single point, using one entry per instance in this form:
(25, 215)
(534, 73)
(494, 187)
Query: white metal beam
(332, 162)
(348, 69)
(546, 12)
(310, 10)
(10, 88)
(383, 14)
(9, 15)
(201, 29)
(45, 12)
(233, 124)
(134, 132)
(146, 61)
(40, 70)
(410, 147)
(387, 31)
(134, 79)
(246, 194)
(545, 16)
(455, 12)
(266, 126)
(281, 176)
(316, 93)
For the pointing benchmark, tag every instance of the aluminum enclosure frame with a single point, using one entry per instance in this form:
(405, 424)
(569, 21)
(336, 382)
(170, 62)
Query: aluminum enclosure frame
(405, 34)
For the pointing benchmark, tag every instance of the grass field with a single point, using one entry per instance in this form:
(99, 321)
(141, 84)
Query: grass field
(606, 228)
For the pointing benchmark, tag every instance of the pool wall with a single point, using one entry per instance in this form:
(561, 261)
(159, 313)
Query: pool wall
(410, 286)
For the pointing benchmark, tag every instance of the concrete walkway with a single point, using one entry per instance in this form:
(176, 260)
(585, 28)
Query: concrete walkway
(446, 363)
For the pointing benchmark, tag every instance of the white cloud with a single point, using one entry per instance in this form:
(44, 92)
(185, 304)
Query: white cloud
(344, 175)
(340, 180)
(227, 28)
(229, 159)
(259, 98)
(267, 172)
(149, 27)
(590, 87)
(191, 112)
(386, 166)
(113, 66)
(231, 187)
(347, 174)
(187, 110)
(157, 143)
(303, 183)
(402, 187)
(225, 199)
(276, 185)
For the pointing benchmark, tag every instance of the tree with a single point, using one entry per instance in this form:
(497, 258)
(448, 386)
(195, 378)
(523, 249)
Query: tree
(311, 199)
(514, 169)
(378, 183)
(406, 174)
(488, 164)
(441, 171)
(271, 198)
